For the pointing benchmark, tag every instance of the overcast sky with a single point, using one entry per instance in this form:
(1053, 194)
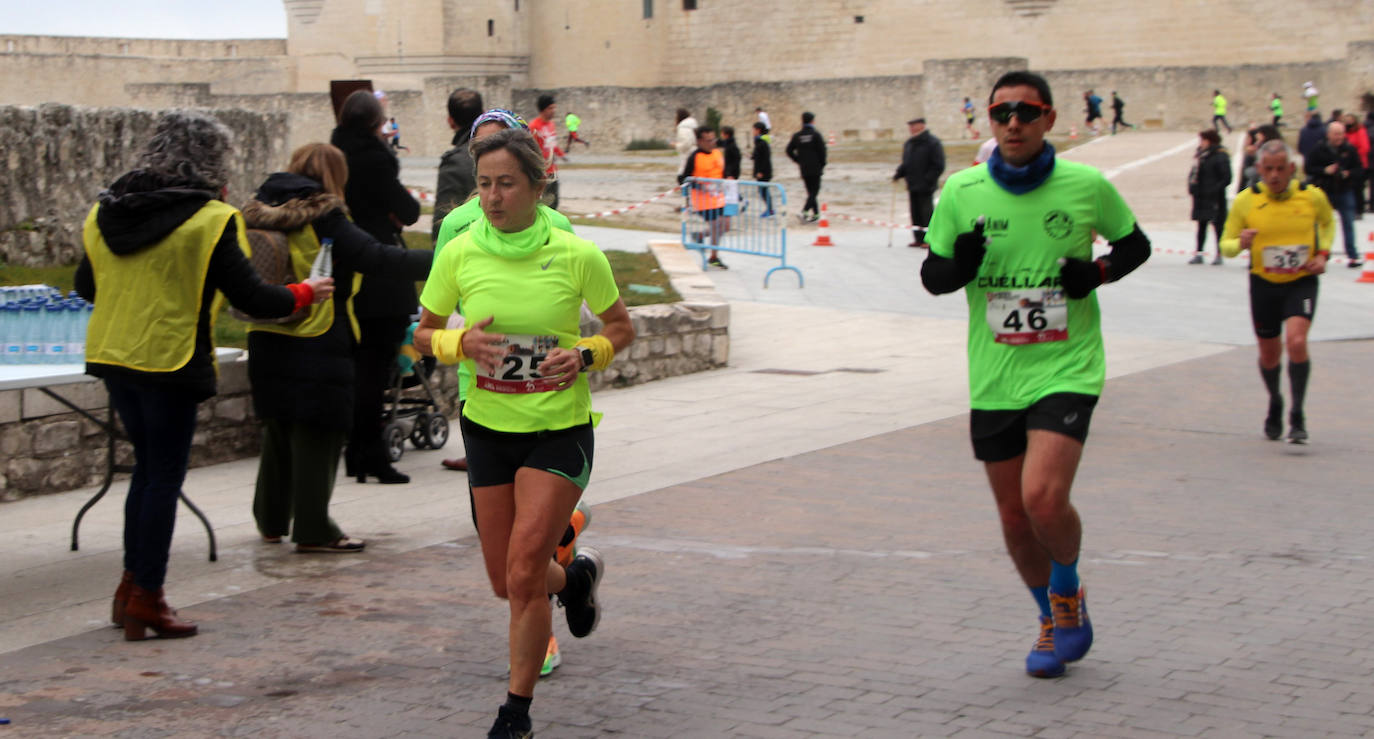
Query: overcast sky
(145, 18)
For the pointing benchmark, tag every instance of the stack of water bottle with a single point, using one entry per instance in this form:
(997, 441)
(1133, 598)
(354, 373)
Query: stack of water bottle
(39, 326)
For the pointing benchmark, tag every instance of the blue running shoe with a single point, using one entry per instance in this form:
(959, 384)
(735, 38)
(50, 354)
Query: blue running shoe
(1041, 661)
(1073, 632)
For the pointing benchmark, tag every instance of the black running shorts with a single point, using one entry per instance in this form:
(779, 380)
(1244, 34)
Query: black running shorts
(494, 456)
(1001, 435)
(712, 214)
(1272, 303)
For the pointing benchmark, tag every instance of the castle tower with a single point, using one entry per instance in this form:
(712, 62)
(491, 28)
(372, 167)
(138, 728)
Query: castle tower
(398, 43)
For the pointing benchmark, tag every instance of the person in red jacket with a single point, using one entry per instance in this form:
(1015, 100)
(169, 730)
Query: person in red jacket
(1358, 136)
(546, 133)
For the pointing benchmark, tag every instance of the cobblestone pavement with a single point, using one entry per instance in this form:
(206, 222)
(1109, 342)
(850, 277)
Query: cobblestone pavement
(859, 590)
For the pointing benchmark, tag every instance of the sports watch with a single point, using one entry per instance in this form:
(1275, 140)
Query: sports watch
(587, 358)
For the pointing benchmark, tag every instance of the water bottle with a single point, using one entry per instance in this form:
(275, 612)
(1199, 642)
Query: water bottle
(324, 261)
(13, 342)
(83, 321)
(6, 325)
(32, 336)
(55, 332)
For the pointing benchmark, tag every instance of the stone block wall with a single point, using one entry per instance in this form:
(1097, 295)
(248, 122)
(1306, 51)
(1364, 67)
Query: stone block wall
(46, 448)
(57, 159)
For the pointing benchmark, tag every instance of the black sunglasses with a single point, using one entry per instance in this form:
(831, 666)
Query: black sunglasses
(1024, 110)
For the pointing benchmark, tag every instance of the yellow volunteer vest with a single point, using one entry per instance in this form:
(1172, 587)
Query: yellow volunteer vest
(304, 245)
(147, 303)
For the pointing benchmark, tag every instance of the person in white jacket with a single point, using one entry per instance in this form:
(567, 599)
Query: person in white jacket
(686, 141)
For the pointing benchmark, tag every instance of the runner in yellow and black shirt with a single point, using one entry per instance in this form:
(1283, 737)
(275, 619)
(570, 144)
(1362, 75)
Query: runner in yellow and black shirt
(1016, 234)
(1288, 229)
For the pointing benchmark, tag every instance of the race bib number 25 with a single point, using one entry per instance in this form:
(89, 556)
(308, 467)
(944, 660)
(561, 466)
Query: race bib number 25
(519, 373)
(1020, 317)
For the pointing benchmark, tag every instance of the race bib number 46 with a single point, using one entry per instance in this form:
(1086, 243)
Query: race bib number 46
(1028, 316)
(518, 373)
(1284, 260)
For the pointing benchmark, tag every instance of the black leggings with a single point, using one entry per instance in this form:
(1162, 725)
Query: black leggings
(1202, 234)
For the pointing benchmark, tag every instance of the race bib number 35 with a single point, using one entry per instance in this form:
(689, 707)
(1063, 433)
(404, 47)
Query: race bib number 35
(1028, 316)
(1284, 260)
(518, 373)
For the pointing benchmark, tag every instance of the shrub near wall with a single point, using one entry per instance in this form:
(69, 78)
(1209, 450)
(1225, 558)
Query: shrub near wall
(57, 159)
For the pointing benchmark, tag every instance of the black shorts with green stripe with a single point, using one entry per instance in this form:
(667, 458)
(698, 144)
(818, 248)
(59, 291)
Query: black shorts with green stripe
(494, 456)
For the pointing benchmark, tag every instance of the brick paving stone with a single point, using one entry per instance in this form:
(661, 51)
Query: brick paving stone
(863, 585)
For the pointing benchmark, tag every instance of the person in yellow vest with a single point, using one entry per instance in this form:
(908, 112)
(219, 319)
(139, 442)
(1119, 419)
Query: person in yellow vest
(1288, 228)
(1219, 112)
(707, 199)
(302, 372)
(160, 245)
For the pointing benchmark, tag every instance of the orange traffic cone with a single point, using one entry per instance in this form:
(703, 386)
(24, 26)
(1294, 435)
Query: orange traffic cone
(823, 235)
(1073, 132)
(1368, 274)
(830, 140)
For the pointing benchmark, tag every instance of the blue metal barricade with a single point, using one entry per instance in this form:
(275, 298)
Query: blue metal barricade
(740, 216)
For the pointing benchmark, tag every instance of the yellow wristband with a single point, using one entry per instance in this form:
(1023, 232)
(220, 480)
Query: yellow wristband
(602, 350)
(447, 345)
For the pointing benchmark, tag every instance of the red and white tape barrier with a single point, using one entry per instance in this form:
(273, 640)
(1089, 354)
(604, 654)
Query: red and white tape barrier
(423, 196)
(885, 224)
(628, 208)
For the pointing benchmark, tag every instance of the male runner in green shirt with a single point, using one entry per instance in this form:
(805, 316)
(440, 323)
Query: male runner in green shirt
(1016, 233)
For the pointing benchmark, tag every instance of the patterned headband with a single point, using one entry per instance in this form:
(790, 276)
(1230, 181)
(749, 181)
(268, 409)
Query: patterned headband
(499, 115)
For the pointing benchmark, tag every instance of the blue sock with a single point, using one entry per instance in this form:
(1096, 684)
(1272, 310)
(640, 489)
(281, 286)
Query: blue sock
(1064, 578)
(1041, 594)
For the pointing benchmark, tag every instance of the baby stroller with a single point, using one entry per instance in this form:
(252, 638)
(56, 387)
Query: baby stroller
(405, 416)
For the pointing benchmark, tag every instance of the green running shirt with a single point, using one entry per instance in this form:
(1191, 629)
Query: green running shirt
(456, 222)
(1026, 338)
(537, 295)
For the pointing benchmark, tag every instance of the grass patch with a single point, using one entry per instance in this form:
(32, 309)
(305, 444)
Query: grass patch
(61, 277)
(640, 268)
(647, 145)
(604, 223)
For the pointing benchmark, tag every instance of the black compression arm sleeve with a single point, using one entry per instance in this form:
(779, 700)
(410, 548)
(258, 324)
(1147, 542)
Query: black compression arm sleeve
(1128, 252)
(941, 275)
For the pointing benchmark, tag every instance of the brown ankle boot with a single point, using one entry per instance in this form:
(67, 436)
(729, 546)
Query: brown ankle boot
(148, 609)
(121, 598)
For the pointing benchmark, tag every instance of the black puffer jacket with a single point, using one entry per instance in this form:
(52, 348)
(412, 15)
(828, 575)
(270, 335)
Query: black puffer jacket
(1207, 183)
(380, 204)
(139, 211)
(310, 380)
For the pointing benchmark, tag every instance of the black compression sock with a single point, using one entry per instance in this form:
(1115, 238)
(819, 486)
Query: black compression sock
(1271, 380)
(1297, 378)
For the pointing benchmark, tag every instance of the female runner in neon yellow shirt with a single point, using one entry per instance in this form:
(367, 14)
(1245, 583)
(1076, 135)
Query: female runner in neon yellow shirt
(527, 425)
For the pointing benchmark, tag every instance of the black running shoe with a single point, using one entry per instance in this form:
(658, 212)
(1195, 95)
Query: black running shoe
(1297, 429)
(511, 725)
(581, 607)
(1273, 423)
(715, 262)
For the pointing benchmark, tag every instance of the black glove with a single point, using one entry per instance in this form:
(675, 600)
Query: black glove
(969, 249)
(1079, 277)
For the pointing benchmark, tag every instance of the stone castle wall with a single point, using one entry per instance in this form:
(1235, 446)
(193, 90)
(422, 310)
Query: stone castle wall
(46, 448)
(59, 157)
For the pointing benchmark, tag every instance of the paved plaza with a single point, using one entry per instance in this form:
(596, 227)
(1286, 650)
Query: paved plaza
(798, 545)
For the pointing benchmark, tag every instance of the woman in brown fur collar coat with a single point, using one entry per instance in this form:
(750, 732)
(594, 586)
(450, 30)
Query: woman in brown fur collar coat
(302, 372)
